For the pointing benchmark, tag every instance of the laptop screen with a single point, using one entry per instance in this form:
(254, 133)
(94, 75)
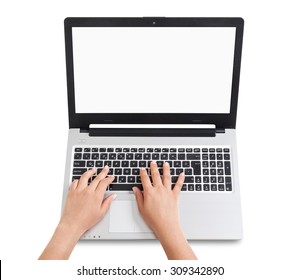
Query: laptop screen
(153, 70)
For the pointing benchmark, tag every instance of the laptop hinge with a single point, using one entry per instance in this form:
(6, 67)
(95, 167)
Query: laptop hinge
(152, 130)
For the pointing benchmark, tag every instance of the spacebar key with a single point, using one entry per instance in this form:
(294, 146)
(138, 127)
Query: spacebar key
(123, 187)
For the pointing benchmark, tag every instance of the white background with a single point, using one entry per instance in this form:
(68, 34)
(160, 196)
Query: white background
(157, 65)
(34, 125)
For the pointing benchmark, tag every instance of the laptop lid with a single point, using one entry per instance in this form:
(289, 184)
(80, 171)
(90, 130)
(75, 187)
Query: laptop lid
(153, 70)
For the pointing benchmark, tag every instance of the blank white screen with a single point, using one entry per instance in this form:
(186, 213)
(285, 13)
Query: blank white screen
(153, 70)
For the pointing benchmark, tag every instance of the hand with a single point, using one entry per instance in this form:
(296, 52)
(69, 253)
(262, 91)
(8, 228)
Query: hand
(159, 203)
(159, 208)
(85, 204)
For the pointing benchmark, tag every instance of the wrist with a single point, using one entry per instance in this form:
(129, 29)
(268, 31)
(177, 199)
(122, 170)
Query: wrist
(70, 229)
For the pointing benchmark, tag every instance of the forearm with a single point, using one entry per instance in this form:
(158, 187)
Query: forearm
(175, 245)
(61, 244)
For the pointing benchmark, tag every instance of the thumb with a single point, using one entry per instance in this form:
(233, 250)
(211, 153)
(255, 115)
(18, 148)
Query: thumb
(106, 204)
(139, 198)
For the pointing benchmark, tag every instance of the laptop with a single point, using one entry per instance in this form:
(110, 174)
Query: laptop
(163, 89)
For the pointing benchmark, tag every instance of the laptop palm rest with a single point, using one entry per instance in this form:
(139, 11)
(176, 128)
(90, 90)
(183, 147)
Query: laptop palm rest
(125, 217)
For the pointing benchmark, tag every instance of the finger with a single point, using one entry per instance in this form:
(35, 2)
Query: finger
(84, 179)
(139, 199)
(166, 178)
(145, 180)
(155, 174)
(102, 186)
(106, 204)
(74, 185)
(102, 175)
(179, 183)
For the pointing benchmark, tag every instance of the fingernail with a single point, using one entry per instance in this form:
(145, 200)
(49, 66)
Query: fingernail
(166, 163)
(106, 167)
(134, 189)
(154, 162)
(182, 174)
(114, 196)
(142, 168)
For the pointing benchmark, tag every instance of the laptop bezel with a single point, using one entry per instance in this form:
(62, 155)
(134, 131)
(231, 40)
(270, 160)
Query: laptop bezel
(222, 121)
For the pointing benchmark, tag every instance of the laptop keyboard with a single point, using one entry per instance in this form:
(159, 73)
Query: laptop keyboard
(206, 168)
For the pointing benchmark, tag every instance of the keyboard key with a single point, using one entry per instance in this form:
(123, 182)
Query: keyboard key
(123, 187)
(138, 156)
(213, 187)
(189, 179)
(190, 187)
(212, 156)
(193, 156)
(220, 172)
(80, 163)
(94, 150)
(110, 150)
(198, 187)
(155, 156)
(172, 156)
(228, 187)
(116, 163)
(125, 163)
(181, 156)
(78, 150)
(121, 156)
(220, 179)
(95, 156)
(131, 179)
(76, 178)
(133, 163)
(226, 157)
(188, 171)
(86, 156)
(206, 187)
(99, 163)
(79, 171)
(147, 156)
(129, 156)
(226, 150)
(213, 179)
(86, 150)
(90, 163)
(196, 165)
(118, 171)
(77, 156)
(227, 168)
(228, 179)
(112, 156)
(164, 156)
(122, 179)
(197, 179)
(103, 156)
(213, 172)
(221, 187)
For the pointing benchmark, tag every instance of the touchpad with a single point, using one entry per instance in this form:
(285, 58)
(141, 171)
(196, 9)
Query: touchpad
(125, 217)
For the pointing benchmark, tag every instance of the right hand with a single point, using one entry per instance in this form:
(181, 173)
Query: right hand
(158, 204)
